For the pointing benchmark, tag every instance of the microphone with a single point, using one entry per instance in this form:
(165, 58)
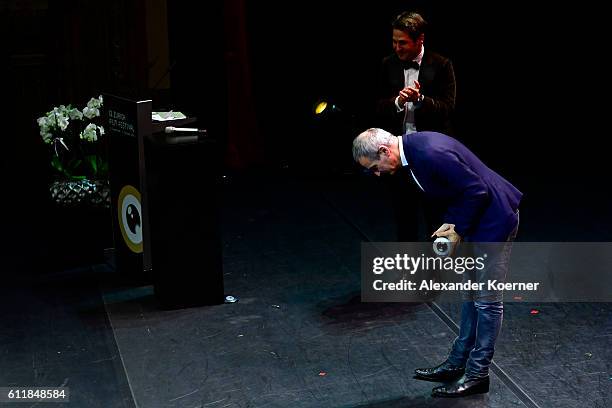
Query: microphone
(172, 129)
(177, 135)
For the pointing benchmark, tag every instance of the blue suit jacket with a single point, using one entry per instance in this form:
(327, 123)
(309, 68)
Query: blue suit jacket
(480, 202)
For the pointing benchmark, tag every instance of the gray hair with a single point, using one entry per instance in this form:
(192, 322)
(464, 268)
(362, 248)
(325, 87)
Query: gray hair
(367, 143)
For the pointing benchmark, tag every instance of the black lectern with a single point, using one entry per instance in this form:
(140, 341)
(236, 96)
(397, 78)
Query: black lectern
(183, 190)
(164, 190)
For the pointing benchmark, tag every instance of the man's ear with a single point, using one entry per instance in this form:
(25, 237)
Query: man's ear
(421, 38)
(383, 150)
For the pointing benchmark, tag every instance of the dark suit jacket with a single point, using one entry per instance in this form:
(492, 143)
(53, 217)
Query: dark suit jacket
(437, 79)
(482, 204)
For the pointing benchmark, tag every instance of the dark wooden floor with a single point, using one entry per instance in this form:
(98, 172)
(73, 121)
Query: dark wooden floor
(299, 335)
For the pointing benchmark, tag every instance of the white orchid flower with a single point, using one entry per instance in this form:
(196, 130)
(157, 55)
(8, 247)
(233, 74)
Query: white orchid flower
(89, 134)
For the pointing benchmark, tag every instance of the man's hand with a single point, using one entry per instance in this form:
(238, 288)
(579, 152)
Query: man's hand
(410, 93)
(448, 231)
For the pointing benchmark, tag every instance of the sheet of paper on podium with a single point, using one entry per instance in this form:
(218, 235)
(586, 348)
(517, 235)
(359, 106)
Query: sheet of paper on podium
(164, 116)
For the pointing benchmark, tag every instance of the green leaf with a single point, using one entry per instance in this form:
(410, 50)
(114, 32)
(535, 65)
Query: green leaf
(74, 164)
(103, 166)
(56, 163)
(93, 162)
(73, 167)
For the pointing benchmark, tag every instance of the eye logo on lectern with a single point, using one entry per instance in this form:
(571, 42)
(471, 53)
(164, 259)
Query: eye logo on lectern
(130, 218)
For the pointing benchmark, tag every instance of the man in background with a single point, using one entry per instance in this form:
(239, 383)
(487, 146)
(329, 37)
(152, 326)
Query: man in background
(416, 88)
(416, 92)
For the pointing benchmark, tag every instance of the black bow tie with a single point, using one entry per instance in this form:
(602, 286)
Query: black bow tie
(410, 64)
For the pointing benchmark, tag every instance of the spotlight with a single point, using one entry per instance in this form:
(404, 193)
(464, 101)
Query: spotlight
(324, 107)
(320, 107)
(333, 125)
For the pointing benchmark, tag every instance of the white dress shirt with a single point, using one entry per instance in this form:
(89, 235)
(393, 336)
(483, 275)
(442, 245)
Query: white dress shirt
(410, 75)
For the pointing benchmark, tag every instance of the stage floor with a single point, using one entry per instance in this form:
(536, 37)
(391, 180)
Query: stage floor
(299, 335)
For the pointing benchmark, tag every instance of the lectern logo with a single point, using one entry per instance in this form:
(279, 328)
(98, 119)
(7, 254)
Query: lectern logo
(130, 218)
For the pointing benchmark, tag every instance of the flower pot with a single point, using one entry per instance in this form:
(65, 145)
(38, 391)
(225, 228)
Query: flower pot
(78, 226)
(83, 192)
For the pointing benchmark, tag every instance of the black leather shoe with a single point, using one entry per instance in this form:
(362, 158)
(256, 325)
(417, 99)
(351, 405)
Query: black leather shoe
(443, 372)
(462, 387)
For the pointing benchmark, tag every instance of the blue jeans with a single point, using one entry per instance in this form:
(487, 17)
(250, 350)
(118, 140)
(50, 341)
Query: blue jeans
(481, 319)
(474, 347)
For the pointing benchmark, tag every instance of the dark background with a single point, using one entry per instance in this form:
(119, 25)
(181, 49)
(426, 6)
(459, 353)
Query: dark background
(531, 85)
(532, 97)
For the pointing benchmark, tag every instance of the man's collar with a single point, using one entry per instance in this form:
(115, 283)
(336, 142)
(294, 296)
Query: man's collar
(400, 143)
(419, 58)
(414, 63)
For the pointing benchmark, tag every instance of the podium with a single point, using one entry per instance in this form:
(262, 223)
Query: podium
(165, 190)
